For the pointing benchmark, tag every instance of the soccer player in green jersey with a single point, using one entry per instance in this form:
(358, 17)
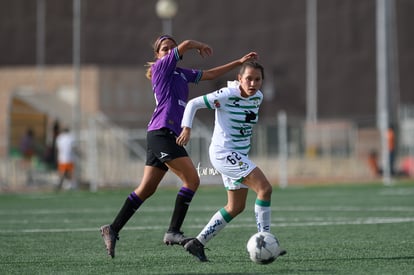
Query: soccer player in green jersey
(236, 112)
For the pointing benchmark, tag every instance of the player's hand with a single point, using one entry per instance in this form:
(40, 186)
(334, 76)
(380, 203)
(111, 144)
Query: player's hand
(249, 57)
(184, 137)
(204, 50)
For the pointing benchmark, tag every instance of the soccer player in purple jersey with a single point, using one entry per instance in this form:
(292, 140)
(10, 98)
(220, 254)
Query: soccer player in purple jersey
(170, 87)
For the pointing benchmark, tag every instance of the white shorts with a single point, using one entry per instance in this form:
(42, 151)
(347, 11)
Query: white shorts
(233, 167)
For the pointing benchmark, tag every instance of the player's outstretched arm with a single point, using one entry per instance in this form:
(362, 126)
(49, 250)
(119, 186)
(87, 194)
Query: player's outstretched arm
(220, 70)
(202, 48)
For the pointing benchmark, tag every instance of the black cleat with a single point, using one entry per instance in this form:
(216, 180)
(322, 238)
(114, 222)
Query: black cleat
(110, 237)
(171, 238)
(196, 248)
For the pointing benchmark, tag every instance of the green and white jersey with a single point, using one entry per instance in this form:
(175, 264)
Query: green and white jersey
(235, 117)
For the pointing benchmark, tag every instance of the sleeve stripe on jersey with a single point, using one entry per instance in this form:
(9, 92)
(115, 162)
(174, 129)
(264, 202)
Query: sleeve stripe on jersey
(199, 76)
(206, 102)
(176, 53)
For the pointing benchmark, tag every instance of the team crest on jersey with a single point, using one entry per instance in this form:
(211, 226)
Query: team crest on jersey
(216, 103)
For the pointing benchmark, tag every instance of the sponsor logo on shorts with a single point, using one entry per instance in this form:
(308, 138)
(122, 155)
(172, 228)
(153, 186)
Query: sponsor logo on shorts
(163, 155)
(243, 166)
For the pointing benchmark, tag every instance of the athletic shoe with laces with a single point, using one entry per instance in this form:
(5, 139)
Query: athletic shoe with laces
(196, 248)
(171, 238)
(110, 237)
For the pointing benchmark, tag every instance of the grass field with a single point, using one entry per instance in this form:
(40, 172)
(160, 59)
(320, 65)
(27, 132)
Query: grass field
(336, 229)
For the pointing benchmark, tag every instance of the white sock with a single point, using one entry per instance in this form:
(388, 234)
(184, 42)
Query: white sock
(262, 212)
(217, 222)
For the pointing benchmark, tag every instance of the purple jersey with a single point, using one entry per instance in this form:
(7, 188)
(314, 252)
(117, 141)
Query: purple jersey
(170, 87)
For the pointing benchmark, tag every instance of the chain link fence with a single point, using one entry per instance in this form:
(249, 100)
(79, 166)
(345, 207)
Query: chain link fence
(330, 150)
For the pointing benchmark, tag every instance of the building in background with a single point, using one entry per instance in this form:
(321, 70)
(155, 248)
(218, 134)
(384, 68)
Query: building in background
(116, 40)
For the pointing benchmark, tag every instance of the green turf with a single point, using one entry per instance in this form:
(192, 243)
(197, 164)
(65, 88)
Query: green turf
(336, 229)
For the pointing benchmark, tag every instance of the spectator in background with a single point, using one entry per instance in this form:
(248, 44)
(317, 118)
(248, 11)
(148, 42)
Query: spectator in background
(50, 156)
(27, 144)
(28, 150)
(391, 148)
(407, 166)
(65, 144)
(373, 156)
(373, 163)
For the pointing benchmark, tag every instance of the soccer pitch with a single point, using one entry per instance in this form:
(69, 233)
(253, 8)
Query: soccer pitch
(330, 229)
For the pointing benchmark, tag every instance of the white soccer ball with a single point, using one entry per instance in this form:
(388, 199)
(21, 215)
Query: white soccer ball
(263, 248)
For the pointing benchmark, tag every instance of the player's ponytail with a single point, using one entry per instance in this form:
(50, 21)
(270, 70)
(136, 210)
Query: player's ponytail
(148, 73)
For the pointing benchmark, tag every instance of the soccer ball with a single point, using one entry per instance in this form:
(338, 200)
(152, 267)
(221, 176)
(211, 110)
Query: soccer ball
(263, 248)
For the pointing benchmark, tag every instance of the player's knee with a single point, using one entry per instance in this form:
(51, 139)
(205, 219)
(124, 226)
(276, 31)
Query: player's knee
(192, 186)
(195, 181)
(265, 191)
(235, 210)
(192, 183)
(268, 189)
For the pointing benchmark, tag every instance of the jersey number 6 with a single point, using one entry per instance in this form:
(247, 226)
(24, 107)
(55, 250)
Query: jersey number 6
(233, 158)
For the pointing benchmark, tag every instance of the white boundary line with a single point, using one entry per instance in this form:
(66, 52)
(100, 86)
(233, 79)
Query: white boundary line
(5, 212)
(359, 221)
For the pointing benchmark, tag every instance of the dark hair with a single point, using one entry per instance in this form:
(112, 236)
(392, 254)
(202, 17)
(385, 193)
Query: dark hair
(156, 47)
(252, 64)
(161, 38)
